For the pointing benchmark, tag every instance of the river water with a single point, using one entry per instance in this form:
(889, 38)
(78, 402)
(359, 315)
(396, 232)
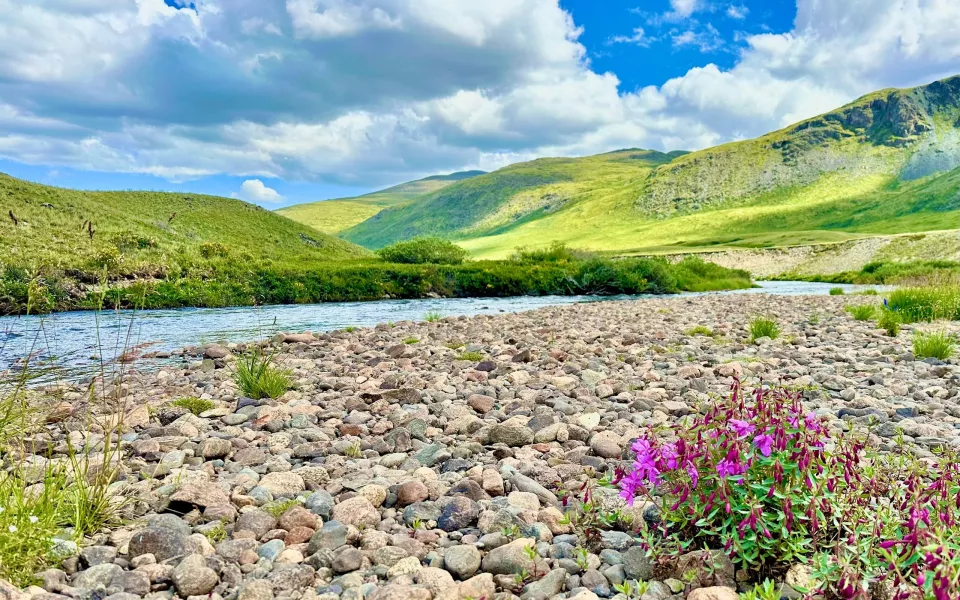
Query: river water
(74, 344)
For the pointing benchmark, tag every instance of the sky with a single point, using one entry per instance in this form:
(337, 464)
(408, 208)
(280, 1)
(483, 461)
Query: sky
(285, 101)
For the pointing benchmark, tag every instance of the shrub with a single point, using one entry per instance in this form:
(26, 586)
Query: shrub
(432, 316)
(861, 312)
(699, 330)
(127, 240)
(889, 321)
(195, 405)
(257, 376)
(837, 291)
(557, 252)
(937, 345)
(213, 249)
(425, 250)
(763, 327)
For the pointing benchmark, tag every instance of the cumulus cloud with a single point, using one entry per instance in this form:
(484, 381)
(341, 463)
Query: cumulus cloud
(377, 91)
(639, 37)
(254, 190)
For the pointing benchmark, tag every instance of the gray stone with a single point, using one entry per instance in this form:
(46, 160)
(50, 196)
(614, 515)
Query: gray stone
(461, 561)
(192, 577)
(162, 543)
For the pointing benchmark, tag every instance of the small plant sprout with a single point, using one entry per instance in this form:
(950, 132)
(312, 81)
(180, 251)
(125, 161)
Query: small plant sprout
(632, 589)
(258, 377)
(581, 555)
(349, 329)
(889, 321)
(471, 356)
(354, 450)
(432, 316)
(768, 590)
(411, 340)
(417, 524)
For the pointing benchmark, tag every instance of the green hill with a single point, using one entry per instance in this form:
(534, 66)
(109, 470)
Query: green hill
(333, 216)
(78, 239)
(883, 164)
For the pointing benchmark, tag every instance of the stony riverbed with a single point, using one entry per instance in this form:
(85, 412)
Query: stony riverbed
(426, 477)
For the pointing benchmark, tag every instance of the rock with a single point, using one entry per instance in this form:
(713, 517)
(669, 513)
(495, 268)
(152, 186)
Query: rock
(438, 581)
(548, 586)
(282, 484)
(511, 435)
(97, 576)
(356, 511)
(404, 566)
(606, 444)
(509, 559)
(401, 592)
(331, 536)
(703, 568)
(636, 564)
(320, 503)
(212, 448)
(411, 492)
(462, 561)
(162, 543)
(799, 577)
(479, 586)
(201, 494)
(346, 559)
(298, 516)
(258, 522)
(525, 484)
(193, 577)
(480, 403)
(713, 593)
(97, 555)
(255, 589)
(459, 513)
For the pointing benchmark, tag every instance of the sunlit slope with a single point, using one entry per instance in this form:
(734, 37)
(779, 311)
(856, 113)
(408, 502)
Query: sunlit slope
(333, 216)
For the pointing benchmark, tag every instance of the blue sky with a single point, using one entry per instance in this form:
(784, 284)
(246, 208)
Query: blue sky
(286, 101)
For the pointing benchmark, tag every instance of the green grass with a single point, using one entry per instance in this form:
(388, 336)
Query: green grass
(432, 316)
(471, 356)
(333, 216)
(257, 376)
(937, 345)
(837, 291)
(862, 312)
(761, 327)
(279, 507)
(887, 273)
(411, 340)
(889, 321)
(195, 405)
(699, 330)
(926, 303)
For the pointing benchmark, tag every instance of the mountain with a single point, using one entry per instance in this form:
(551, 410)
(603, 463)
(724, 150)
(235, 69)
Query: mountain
(148, 234)
(333, 216)
(883, 164)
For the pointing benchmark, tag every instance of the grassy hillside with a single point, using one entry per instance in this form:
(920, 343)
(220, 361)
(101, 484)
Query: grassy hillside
(75, 240)
(333, 216)
(883, 164)
(514, 195)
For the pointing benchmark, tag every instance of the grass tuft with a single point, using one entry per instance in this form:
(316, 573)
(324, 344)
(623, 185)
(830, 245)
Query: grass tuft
(937, 345)
(889, 321)
(699, 330)
(837, 291)
(195, 405)
(926, 303)
(471, 356)
(257, 376)
(862, 312)
(432, 316)
(763, 327)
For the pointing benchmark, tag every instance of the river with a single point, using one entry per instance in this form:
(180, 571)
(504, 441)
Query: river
(75, 344)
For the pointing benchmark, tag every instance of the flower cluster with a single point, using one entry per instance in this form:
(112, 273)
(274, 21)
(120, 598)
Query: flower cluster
(765, 480)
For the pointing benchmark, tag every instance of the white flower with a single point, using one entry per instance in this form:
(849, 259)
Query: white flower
(12, 528)
(1, 510)
(33, 519)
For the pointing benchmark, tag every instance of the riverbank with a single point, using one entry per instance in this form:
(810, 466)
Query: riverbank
(429, 460)
(234, 284)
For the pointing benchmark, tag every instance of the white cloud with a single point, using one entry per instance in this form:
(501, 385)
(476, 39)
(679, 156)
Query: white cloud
(378, 91)
(684, 8)
(253, 190)
(737, 11)
(638, 38)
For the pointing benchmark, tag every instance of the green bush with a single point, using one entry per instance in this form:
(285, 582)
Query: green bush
(557, 252)
(861, 312)
(937, 345)
(257, 376)
(763, 327)
(837, 291)
(699, 330)
(425, 250)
